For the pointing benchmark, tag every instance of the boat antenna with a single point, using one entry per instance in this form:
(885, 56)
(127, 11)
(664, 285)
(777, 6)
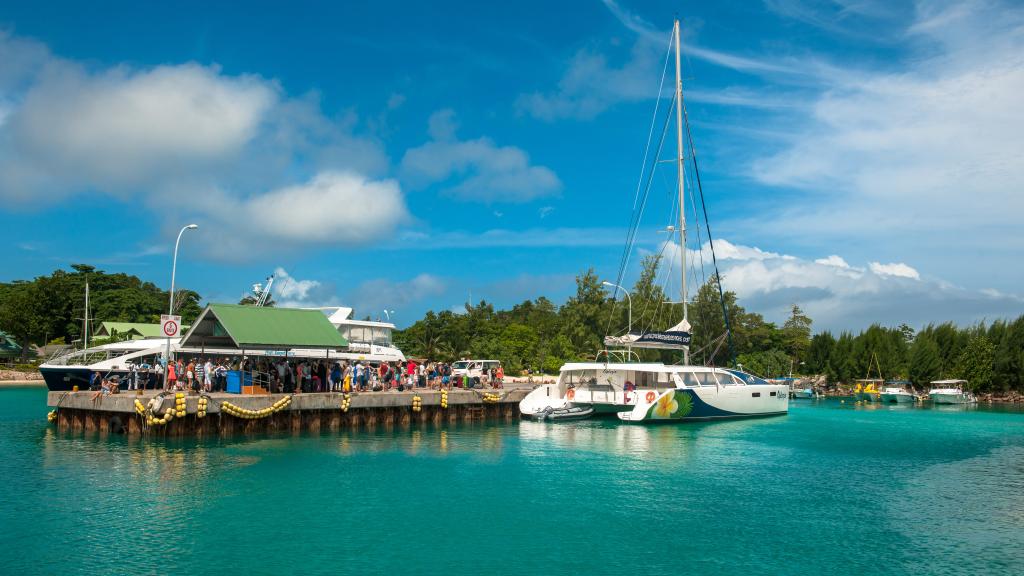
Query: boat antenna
(680, 166)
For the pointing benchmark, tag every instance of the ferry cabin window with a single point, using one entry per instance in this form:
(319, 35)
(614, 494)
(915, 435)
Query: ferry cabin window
(755, 394)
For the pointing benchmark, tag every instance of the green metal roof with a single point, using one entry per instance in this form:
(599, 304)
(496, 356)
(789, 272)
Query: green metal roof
(262, 327)
(144, 330)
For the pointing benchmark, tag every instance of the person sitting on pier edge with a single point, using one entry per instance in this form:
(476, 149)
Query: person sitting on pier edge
(104, 389)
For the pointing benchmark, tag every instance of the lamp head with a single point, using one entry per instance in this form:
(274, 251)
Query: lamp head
(192, 226)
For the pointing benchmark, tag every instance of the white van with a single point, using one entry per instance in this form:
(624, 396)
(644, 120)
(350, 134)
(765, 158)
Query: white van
(477, 370)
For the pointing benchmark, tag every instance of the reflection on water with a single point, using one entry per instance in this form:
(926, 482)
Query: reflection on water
(672, 443)
(921, 490)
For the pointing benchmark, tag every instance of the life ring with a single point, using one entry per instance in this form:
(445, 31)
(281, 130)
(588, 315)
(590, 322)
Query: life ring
(570, 394)
(650, 396)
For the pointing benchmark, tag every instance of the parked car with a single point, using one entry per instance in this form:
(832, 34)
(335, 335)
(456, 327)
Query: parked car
(478, 371)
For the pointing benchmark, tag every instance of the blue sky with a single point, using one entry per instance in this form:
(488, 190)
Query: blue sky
(860, 158)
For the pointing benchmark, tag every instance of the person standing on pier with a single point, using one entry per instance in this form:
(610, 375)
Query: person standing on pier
(180, 371)
(208, 375)
(172, 376)
(133, 377)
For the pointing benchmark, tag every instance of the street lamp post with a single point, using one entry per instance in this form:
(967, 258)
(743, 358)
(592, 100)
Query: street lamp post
(629, 299)
(170, 310)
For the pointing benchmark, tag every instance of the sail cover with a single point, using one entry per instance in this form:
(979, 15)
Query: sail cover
(675, 338)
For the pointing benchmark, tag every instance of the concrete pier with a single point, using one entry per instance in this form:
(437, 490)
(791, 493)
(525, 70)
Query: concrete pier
(312, 412)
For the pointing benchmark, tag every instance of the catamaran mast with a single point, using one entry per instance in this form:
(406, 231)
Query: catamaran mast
(682, 192)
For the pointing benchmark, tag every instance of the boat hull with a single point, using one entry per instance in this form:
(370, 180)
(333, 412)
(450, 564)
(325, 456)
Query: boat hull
(712, 403)
(65, 378)
(897, 398)
(951, 399)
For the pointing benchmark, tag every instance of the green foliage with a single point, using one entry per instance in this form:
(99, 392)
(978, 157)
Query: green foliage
(768, 364)
(925, 361)
(51, 308)
(976, 363)
(796, 333)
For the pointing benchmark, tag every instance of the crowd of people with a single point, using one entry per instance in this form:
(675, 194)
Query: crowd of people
(295, 376)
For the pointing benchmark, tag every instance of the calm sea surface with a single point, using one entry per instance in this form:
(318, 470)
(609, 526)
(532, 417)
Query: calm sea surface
(829, 489)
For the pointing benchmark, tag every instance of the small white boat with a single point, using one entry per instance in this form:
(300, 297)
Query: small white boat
(897, 396)
(568, 414)
(805, 393)
(950, 392)
(897, 393)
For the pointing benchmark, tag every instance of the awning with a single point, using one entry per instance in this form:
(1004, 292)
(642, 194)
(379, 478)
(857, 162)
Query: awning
(252, 327)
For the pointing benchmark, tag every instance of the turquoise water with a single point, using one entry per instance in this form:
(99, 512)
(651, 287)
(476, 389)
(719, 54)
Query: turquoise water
(830, 488)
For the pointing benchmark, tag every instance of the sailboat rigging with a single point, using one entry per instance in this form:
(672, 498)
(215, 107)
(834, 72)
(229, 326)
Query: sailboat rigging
(653, 391)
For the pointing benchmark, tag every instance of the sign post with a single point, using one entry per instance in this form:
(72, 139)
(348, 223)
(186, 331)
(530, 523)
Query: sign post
(170, 325)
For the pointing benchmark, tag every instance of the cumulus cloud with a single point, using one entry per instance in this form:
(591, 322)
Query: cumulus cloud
(261, 169)
(291, 292)
(833, 260)
(121, 129)
(321, 210)
(840, 296)
(475, 170)
(895, 269)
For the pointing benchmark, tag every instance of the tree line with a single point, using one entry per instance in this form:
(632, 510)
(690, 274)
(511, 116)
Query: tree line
(50, 309)
(537, 335)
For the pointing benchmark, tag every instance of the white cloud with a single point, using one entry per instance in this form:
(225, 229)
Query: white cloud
(475, 170)
(121, 129)
(261, 170)
(288, 291)
(895, 269)
(334, 207)
(839, 296)
(833, 260)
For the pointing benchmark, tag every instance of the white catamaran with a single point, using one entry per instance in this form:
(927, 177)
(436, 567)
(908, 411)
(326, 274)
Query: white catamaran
(652, 392)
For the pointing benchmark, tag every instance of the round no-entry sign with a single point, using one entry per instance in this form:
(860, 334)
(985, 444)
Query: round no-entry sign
(170, 325)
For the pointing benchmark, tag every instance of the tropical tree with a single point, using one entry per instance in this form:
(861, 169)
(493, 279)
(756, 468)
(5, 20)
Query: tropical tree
(925, 362)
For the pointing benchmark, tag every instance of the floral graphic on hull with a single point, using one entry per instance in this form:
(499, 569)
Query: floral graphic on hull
(672, 405)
